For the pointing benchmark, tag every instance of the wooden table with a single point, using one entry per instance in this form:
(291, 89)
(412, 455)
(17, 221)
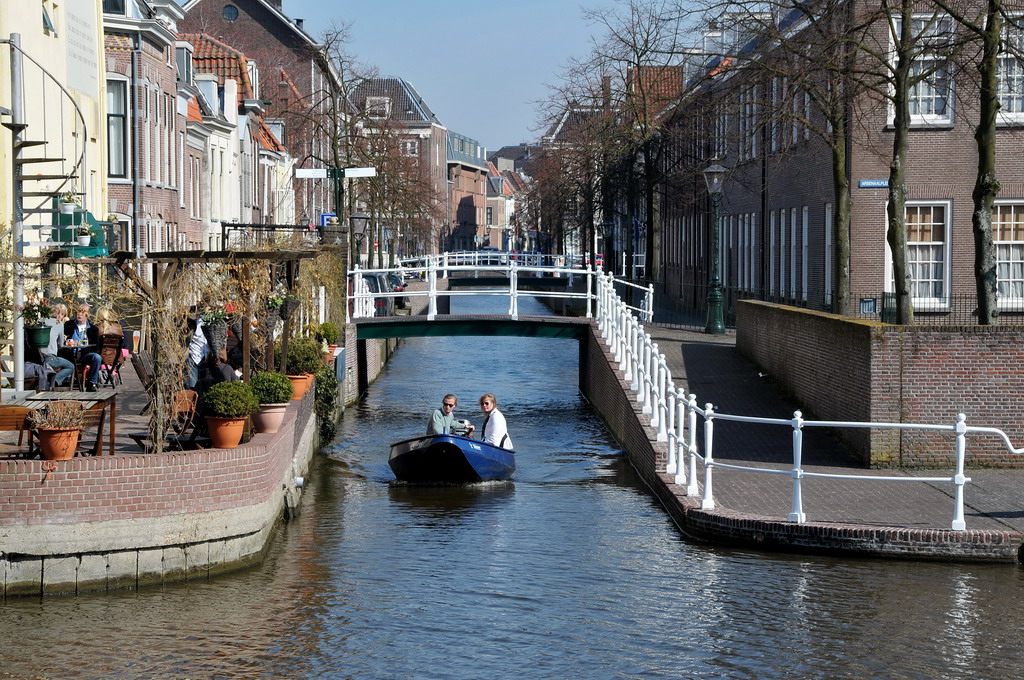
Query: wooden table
(88, 399)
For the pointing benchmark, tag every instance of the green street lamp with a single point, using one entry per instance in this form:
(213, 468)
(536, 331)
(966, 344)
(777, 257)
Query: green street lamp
(715, 178)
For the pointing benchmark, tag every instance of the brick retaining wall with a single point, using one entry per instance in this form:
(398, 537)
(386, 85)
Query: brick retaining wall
(849, 369)
(102, 522)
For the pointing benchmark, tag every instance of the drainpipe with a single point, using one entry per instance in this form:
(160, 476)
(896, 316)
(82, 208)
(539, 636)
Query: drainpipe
(18, 121)
(137, 121)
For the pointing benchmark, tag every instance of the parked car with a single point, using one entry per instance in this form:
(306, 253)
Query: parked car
(397, 284)
(378, 283)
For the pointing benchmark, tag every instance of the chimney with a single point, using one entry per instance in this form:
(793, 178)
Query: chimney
(298, 22)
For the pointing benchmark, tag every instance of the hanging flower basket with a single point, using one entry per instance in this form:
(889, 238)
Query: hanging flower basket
(68, 208)
(288, 306)
(83, 241)
(216, 333)
(38, 336)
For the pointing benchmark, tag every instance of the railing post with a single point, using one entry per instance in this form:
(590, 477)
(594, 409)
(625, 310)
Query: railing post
(513, 287)
(432, 287)
(959, 480)
(691, 447)
(708, 502)
(645, 384)
(796, 514)
(649, 304)
(673, 436)
(590, 288)
(634, 356)
(664, 409)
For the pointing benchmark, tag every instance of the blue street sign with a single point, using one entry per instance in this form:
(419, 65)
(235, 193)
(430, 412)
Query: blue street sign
(873, 184)
(324, 217)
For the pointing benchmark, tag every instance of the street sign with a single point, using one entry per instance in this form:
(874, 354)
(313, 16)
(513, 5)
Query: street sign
(873, 184)
(324, 217)
(360, 172)
(310, 173)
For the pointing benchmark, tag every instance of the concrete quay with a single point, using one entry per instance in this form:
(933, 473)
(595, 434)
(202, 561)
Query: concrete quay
(851, 517)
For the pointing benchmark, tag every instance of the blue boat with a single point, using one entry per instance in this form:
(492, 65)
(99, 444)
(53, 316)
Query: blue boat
(450, 459)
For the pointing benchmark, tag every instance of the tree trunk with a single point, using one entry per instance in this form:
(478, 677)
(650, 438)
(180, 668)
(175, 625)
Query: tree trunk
(986, 186)
(896, 233)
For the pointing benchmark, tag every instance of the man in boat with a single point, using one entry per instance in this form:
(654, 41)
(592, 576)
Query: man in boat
(442, 421)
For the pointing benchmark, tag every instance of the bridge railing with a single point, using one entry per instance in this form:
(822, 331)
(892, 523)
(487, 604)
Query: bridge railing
(674, 415)
(484, 263)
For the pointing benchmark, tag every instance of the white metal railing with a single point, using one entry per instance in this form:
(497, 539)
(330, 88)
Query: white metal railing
(674, 417)
(513, 266)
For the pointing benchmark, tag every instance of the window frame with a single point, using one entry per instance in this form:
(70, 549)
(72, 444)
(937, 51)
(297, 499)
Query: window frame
(1005, 301)
(924, 54)
(923, 302)
(1004, 96)
(125, 132)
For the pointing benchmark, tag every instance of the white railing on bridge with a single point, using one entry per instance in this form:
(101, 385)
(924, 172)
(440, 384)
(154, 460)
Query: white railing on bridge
(674, 416)
(513, 266)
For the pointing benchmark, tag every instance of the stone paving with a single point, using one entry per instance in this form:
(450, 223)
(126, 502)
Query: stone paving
(710, 367)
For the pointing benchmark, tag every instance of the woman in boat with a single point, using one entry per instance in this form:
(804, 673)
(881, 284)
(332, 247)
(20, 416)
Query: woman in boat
(494, 429)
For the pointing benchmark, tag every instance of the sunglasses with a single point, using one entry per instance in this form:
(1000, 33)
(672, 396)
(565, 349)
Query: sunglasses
(448, 405)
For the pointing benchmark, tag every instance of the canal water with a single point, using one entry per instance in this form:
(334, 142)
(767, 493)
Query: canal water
(568, 571)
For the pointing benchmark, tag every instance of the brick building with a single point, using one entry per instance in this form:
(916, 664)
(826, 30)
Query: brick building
(467, 180)
(146, 132)
(301, 88)
(778, 204)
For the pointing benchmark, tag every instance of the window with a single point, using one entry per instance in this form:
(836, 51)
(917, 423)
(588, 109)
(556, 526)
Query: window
(183, 59)
(490, 215)
(113, 6)
(748, 124)
(410, 147)
(378, 107)
(1011, 75)
(230, 12)
(117, 128)
(927, 228)
(930, 97)
(719, 148)
(1008, 234)
(828, 255)
(48, 27)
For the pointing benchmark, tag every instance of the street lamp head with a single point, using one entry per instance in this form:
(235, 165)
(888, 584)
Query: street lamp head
(714, 175)
(359, 221)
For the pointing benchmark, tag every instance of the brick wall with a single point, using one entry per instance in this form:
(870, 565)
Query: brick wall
(115, 521)
(845, 369)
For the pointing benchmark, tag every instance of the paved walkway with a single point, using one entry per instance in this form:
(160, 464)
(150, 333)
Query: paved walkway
(710, 367)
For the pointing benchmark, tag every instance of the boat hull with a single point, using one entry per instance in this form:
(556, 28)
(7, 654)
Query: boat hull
(449, 459)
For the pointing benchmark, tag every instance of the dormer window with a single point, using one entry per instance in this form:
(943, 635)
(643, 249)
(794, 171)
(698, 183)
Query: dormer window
(378, 108)
(183, 59)
(230, 12)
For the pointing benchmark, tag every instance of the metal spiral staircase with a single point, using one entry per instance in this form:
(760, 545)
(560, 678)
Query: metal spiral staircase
(48, 159)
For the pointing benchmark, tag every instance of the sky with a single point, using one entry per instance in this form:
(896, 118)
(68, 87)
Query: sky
(479, 65)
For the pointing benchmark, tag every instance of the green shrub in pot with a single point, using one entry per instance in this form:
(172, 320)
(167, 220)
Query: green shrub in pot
(304, 356)
(271, 387)
(230, 400)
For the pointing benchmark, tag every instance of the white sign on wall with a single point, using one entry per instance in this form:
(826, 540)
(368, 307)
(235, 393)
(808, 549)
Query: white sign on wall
(80, 38)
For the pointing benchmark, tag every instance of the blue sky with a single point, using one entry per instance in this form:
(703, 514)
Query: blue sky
(479, 64)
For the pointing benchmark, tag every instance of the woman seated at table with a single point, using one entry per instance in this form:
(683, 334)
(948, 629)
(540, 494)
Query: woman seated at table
(85, 335)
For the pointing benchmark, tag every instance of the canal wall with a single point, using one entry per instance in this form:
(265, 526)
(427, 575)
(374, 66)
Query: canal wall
(875, 372)
(125, 521)
(604, 386)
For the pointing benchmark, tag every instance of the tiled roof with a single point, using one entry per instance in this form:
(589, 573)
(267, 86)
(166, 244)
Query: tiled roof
(266, 138)
(220, 59)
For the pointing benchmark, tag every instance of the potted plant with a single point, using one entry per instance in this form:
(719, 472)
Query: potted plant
(227, 406)
(34, 312)
(329, 333)
(84, 235)
(58, 427)
(68, 202)
(289, 303)
(304, 359)
(273, 391)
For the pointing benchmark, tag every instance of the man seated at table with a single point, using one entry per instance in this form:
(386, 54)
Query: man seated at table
(83, 333)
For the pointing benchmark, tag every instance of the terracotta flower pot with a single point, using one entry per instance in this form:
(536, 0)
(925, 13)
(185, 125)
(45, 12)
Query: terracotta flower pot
(269, 418)
(58, 444)
(225, 433)
(299, 385)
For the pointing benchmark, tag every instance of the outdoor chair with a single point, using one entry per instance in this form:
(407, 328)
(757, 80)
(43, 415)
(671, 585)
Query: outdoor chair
(15, 419)
(111, 359)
